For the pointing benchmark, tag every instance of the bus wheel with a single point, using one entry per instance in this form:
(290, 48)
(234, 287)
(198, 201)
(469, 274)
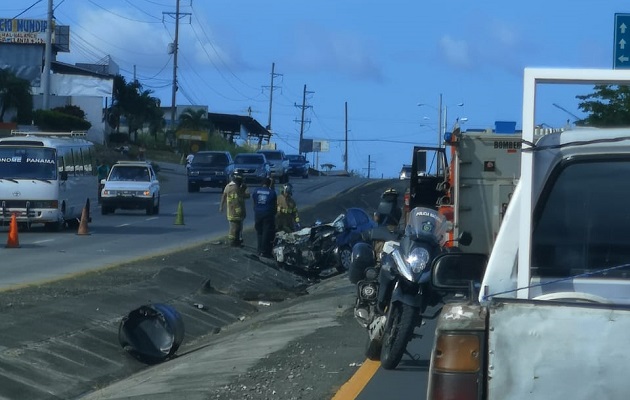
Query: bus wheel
(54, 226)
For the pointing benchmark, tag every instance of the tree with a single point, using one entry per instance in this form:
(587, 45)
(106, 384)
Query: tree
(15, 93)
(194, 120)
(607, 106)
(137, 106)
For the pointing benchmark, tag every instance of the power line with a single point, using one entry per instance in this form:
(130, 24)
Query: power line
(25, 10)
(120, 16)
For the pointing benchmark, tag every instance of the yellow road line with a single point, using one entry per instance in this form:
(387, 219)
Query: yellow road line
(351, 389)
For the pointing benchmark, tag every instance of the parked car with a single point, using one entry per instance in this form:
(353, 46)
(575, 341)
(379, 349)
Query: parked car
(279, 164)
(131, 185)
(253, 167)
(298, 165)
(405, 172)
(209, 169)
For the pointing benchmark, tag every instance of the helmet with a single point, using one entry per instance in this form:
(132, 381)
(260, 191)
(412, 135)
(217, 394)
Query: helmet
(390, 194)
(287, 188)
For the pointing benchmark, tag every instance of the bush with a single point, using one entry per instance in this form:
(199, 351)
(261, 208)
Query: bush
(55, 121)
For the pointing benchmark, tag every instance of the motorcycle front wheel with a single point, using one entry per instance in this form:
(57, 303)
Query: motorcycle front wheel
(400, 325)
(373, 349)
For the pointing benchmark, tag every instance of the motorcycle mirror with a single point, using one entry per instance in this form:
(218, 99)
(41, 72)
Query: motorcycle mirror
(465, 238)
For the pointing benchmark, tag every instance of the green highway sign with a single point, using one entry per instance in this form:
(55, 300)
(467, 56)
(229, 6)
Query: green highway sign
(621, 53)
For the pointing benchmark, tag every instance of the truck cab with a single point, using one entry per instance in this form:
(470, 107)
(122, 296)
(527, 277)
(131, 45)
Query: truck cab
(549, 314)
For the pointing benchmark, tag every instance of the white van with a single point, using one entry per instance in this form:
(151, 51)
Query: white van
(46, 178)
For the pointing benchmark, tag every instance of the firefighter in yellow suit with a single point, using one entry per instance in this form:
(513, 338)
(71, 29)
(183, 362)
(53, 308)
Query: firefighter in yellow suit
(234, 196)
(287, 218)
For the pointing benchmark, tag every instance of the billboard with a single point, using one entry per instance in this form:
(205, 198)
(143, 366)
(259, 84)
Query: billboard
(322, 146)
(23, 31)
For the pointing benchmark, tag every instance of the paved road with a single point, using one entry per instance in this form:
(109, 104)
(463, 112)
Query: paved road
(59, 340)
(128, 235)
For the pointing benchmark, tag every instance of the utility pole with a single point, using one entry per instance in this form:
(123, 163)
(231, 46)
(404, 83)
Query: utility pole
(303, 107)
(369, 167)
(439, 129)
(47, 57)
(271, 89)
(345, 154)
(175, 48)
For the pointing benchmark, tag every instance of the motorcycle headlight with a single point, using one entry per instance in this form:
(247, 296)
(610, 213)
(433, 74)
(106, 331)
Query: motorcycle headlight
(418, 259)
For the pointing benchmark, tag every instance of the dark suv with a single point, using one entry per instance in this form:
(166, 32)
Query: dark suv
(210, 169)
(298, 165)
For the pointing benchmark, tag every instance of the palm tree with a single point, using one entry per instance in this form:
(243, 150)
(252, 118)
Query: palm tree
(194, 120)
(136, 105)
(15, 93)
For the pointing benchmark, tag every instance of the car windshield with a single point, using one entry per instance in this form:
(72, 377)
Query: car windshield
(210, 160)
(272, 155)
(296, 158)
(130, 174)
(248, 159)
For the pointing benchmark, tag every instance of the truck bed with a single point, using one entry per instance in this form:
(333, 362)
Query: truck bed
(531, 342)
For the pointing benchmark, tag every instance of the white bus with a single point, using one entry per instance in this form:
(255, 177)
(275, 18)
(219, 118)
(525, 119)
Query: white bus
(46, 178)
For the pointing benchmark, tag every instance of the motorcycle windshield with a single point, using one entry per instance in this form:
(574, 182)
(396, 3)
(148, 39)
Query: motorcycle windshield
(426, 223)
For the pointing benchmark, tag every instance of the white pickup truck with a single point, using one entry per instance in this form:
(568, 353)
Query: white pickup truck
(550, 313)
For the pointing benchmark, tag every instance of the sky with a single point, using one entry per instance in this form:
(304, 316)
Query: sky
(374, 71)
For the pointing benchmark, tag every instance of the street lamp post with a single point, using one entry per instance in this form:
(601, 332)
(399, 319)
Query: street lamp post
(442, 119)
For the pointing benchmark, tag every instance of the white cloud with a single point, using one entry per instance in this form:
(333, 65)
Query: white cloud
(317, 49)
(456, 52)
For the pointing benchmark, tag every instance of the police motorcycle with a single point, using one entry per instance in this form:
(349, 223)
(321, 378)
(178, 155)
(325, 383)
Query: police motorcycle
(394, 293)
(322, 246)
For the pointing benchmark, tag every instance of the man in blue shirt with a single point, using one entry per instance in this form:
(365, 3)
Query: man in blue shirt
(265, 203)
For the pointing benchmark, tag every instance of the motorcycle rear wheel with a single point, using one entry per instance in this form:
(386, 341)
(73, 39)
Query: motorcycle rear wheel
(400, 325)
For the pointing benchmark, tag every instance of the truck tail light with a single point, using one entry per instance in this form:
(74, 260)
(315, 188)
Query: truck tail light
(455, 367)
(457, 353)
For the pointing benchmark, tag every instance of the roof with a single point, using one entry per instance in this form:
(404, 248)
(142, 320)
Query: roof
(231, 124)
(134, 163)
(63, 68)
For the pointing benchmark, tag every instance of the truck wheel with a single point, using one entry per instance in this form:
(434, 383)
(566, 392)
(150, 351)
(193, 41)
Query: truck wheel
(193, 188)
(151, 207)
(398, 332)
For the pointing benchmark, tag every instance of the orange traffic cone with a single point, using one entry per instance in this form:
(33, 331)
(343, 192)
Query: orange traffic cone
(83, 225)
(12, 240)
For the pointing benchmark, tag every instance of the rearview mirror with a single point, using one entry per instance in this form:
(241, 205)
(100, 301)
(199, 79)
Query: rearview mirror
(63, 175)
(455, 271)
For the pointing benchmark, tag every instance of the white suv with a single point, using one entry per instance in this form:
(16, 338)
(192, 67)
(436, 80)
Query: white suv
(131, 185)
(279, 164)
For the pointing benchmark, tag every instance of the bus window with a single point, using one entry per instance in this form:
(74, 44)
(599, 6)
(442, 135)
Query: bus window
(30, 162)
